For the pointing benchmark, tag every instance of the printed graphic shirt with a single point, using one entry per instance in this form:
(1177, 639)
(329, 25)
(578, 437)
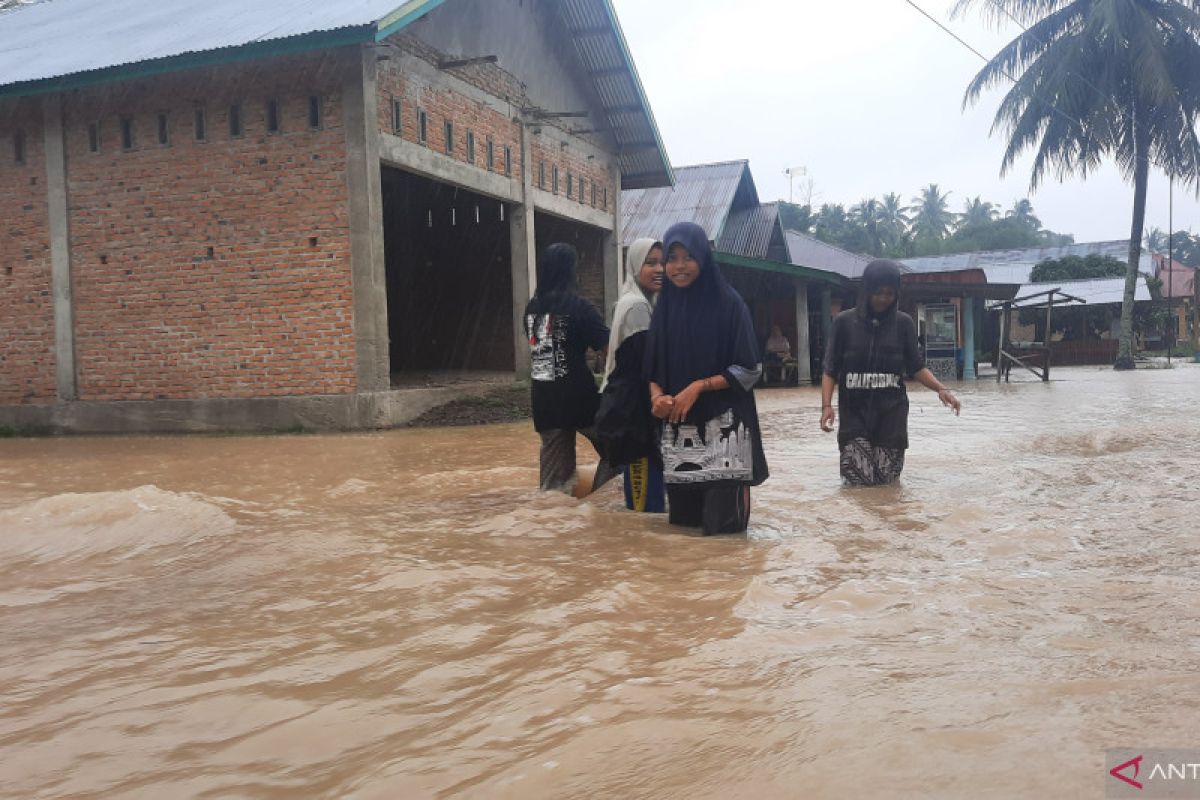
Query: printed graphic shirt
(870, 360)
(561, 331)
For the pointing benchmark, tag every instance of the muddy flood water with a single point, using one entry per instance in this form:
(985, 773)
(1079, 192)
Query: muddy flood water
(401, 615)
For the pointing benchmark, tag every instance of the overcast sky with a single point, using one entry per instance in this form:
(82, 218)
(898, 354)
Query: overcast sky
(866, 94)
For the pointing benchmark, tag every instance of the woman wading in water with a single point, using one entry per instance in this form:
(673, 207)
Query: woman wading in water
(702, 363)
(625, 428)
(562, 327)
(872, 348)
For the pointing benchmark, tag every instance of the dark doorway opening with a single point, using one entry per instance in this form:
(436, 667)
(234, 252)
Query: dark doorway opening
(449, 278)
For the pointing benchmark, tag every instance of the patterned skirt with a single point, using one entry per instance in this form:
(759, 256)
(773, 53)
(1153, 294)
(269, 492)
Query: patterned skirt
(864, 464)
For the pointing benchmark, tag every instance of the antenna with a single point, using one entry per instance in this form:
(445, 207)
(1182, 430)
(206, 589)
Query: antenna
(793, 173)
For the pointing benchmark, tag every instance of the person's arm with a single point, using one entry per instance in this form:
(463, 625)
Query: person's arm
(828, 414)
(661, 403)
(684, 401)
(930, 381)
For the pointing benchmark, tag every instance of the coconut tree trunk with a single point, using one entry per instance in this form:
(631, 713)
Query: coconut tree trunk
(1141, 177)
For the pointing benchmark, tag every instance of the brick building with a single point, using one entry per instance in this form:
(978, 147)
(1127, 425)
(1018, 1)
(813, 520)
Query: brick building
(257, 215)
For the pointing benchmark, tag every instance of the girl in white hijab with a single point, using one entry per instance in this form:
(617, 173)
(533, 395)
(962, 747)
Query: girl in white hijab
(624, 425)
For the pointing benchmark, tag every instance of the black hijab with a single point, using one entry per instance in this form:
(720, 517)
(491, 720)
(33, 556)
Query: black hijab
(879, 274)
(700, 331)
(555, 277)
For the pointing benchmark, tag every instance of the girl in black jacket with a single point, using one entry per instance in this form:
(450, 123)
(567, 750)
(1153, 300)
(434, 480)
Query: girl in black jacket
(872, 349)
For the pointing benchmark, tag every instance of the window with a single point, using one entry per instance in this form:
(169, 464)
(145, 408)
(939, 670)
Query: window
(507, 160)
(556, 180)
(570, 184)
(448, 131)
(582, 191)
(491, 155)
(126, 133)
(593, 194)
(201, 125)
(397, 116)
(94, 137)
(235, 121)
(471, 146)
(604, 198)
(422, 128)
(164, 130)
(273, 121)
(19, 147)
(314, 112)
(541, 174)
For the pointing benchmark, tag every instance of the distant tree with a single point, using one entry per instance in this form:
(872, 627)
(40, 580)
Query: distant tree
(893, 222)
(864, 218)
(796, 217)
(1022, 212)
(1156, 240)
(1077, 268)
(931, 215)
(978, 212)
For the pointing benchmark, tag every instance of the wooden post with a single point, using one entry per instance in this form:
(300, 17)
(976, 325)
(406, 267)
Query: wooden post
(1049, 312)
(1000, 346)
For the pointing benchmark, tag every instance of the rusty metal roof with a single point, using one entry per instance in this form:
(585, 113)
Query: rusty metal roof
(703, 194)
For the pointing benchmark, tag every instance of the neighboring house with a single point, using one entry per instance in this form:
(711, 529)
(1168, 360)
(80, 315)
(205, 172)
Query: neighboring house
(1015, 266)
(750, 247)
(231, 214)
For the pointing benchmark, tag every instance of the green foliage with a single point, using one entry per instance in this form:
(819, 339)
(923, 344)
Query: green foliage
(1087, 82)
(796, 217)
(1077, 268)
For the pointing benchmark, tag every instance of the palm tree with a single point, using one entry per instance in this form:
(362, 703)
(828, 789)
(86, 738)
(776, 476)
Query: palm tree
(1156, 240)
(978, 212)
(893, 220)
(931, 217)
(865, 216)
(1022, 212)
(1094, 79)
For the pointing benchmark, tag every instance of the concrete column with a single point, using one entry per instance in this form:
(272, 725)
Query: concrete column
(613, 273)
(367, 262)
(826, 311)
(60, 249)
(523, 240)
(803, 356)
(968, 309)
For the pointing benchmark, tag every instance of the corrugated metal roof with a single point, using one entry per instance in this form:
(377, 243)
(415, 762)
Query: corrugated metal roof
(69, 37)
(1097, 293)
(806, 251)
(703, 194)
(1031, 256)
(602, 48)
(52, 41)
(751, 231)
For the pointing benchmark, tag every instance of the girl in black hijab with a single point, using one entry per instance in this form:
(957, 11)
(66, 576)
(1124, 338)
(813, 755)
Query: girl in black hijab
(702, 362)
(872, 348)
(562, 327)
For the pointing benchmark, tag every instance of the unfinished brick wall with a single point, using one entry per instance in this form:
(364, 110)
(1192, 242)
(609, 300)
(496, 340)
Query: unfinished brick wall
(214, 268)
(442, 104)
(27, 361)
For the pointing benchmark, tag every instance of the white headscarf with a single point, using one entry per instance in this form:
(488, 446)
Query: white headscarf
(633, 311)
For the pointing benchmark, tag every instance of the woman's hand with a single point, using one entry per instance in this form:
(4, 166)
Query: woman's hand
(662, 405)
(685, 400)
(828, 417)
(949, 400)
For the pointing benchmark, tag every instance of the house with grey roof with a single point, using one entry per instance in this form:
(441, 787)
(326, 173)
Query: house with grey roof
(751, 249)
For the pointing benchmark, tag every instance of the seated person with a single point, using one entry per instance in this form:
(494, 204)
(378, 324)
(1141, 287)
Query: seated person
(779, 349)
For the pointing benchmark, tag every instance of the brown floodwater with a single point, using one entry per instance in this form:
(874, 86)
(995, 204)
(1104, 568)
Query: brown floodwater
(401, 614)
